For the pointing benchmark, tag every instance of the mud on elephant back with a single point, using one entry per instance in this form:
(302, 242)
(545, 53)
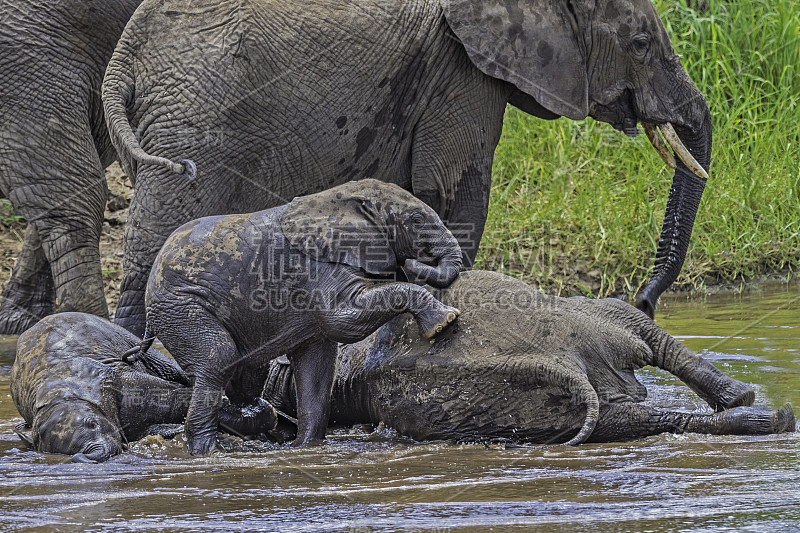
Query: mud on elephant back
(523, 367)
(53, 148)
(290, 98)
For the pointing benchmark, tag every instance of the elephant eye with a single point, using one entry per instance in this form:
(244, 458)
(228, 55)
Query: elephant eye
(90, 423)
(417, 219)
(640, 44)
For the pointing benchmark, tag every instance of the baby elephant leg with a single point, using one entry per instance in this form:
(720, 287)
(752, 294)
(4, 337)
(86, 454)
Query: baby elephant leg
(207, 351)
(314, 366)
(757, 420)
(629, 421)
(384, 302)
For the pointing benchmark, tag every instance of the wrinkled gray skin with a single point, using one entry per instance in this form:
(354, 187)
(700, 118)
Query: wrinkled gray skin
(276, 99)
(53, 148)
(79, 398)
(524, 366)
(229, 293)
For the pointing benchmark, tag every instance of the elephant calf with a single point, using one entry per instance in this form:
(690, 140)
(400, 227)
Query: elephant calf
(79, 397)
(228, 293)
(527, 367)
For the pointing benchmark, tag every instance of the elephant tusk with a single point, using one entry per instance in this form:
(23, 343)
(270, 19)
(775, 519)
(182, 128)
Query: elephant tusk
(659, 145)
(680, 150)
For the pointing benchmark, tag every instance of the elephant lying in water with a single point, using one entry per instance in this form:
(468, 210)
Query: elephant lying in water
(527, 367)
(78, 397)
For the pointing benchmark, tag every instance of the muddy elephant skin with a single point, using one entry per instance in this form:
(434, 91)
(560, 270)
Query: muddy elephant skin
(229, 293)
(78, 397)
(521, 366)
(276, 99)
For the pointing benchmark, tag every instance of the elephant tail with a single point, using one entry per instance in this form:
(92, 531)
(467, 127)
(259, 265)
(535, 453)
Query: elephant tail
(155, 363)
(579, 388)
(117, 95)
(139, 351)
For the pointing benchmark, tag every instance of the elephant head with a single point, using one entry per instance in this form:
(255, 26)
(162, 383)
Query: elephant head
(612, 61)
(374, 226)
(71, 418)
(75, 428)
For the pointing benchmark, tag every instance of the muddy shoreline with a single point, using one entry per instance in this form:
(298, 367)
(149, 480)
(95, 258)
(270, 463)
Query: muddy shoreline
(575, 281)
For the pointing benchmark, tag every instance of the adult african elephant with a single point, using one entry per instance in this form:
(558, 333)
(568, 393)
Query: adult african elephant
(523, 366)
(273, 99)
(53, 148)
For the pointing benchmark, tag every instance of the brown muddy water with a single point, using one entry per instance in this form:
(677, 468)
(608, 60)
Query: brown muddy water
(375, 481)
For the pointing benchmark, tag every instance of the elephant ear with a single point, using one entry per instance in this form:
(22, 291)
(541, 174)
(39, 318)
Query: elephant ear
(532, 44)
(23, 431)
(84, 379)
(346, 224)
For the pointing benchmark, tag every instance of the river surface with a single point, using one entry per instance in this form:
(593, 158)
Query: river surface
(375, 481)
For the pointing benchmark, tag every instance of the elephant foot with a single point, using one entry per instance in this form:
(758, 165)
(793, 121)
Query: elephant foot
(202, 444)
(784, 421)
(14, 319)
(739, 394)
(434, 320)
(759, 420)
(248, 420)
(303, 442)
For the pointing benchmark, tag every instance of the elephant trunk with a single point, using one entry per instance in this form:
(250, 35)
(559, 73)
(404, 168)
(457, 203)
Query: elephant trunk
(684, 199)
(450, 261)
(98, 452)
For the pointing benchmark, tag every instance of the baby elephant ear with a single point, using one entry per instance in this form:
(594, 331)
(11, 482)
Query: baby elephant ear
(24, 433)
(336, 226)
(532, 44)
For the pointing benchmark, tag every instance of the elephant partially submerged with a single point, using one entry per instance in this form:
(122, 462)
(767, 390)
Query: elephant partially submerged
(523, 366)
(78, 397)
(276, 99)
(53, 148)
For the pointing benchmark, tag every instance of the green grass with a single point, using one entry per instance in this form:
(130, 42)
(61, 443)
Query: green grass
(579, 205)
(7, 216)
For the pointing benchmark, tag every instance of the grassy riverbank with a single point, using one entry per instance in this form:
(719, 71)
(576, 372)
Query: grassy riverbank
(577, 206)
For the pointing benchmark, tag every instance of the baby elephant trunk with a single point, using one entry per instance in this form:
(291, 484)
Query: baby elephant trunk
(443, 273)
(99, 452)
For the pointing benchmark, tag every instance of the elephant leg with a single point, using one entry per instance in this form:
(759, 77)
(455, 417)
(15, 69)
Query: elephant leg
(29, 295)
(248, 414)
(756, 420)
(629, 421)
(453, 147)
(314, 366)
(74, 256)
(149, 400)
(717, 389)
(149, 224)
(667, 353)
(54, 178)
(208, 353)
(371, 307)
